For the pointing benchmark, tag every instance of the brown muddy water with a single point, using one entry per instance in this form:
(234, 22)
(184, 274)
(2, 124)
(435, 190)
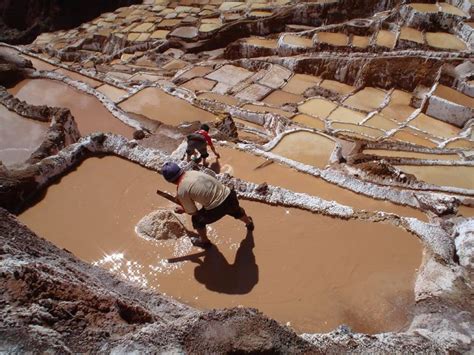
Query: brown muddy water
(312, 271)
(414, 155)
(158, 105)
(306, 147)
(19, 136)
(457, 176)
(256, 169)
(89, 113)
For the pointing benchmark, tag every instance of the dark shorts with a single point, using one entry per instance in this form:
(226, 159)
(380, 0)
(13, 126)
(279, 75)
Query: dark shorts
(230, 207)
(199, 145)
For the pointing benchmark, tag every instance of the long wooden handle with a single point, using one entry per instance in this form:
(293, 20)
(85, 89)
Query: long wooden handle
(167, 196)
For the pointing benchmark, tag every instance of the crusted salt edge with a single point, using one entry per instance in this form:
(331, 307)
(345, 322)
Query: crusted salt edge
(465, 243)
(81, 86)
(432, 235)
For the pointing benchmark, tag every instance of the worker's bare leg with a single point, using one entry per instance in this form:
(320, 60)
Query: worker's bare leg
(248, 221)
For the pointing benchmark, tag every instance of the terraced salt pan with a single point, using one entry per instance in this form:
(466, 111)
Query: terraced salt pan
(158, 105)
(457, 176)
(343, 114)
(424, 7)
(411, 34)
(199, 84)
(360, 129)
(298, 41)
(317, 107)
(19, 136)
(256, 169)
(461, 143)
(262, 42)
(360, 41)
(328, 271)
(444, 40)
(39, 64)
(407, 135)
(112, 92)
(306, 147)
(450, 9)
(89, 113)
(434, 127)
(225, 99)
(299, 83)
(337, 87)
(398, 108)
(280, 98)
(366, 99)
(79, 77)
(309, 121)
(455, 96)
(386, 39)
(414, 155)
(381, 122)
(335, 39)
(263, 109)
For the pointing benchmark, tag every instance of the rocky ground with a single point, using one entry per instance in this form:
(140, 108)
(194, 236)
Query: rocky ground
(392, 77)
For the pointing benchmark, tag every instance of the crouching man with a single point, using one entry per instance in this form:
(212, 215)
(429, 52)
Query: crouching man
(216, 199)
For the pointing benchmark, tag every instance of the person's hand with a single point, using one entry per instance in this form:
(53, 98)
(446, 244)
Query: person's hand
(218, 156)
(179, 210)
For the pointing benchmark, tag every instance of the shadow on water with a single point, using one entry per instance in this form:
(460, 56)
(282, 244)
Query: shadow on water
(217, 274)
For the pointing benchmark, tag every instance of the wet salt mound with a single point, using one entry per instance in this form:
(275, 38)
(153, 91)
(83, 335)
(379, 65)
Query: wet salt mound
(161, 224)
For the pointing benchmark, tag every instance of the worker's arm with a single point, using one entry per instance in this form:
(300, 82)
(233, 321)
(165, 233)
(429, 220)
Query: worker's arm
(209, 142)
(187, 204)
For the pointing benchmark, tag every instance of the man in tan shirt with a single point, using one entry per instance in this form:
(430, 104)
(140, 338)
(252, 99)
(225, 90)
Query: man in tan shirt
(216, 199)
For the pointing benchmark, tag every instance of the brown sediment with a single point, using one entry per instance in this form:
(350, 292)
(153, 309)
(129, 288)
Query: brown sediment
(454, 96)
(262, 42)
(434, 127)
(335, 39)
(386, 39)
(457, 176)
(90, 115)
(112, 92)
(461, 143)
(225, 99)
(247, 123)
(415, 155)
(199, 84)
(381, 122)
(280, 98)
(257, 108)
(299, 83)
(367, 99)
(40, 64)
(343, 114)
(19, 136)
(466, 211)
(158, 105)
(337, 86)
(371, 132)
(306, 147)
(406, 135)
(76, 76)
(444, 40)
(360, 41)
(424, 7)
(317, 107)
(354, 260)
(309, 121)
(450, 9)
(411, 34)
(298, 41)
